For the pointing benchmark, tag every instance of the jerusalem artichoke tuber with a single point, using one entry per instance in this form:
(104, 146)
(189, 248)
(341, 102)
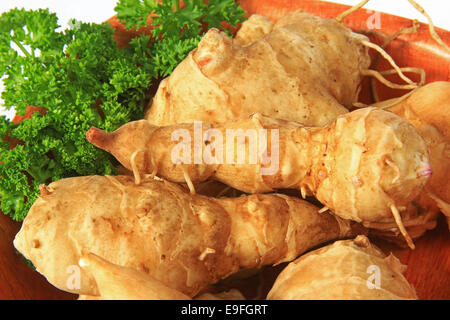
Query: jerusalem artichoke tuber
(123, 283)
(428, 109)
(364, 166)
(345, 270)
(253, 29)
(185, 241)
(305, 69)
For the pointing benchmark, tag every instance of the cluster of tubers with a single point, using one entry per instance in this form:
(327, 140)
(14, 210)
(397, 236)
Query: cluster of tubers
(143, 235)
(294, 282)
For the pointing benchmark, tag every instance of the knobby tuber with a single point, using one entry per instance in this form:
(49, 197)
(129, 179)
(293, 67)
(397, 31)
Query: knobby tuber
(116, 282)
(428, 109)
(365, 166)
(345, 270)
(253, 29)
(302, 68)
(185, 241)
(123, 283)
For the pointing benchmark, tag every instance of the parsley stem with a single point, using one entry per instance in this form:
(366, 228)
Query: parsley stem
(22, 48)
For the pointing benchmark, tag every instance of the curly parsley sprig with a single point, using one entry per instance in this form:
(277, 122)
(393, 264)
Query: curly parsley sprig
(177, 27)
(73, 74)
(82, 79)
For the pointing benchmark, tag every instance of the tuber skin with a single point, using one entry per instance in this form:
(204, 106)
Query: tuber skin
(186, 241)
(359, 166)
(303, 68)
(121, 283)
(428, 109)
(253, 29)
(342, 271)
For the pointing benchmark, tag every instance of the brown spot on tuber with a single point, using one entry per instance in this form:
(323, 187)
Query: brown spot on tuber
(35, 244)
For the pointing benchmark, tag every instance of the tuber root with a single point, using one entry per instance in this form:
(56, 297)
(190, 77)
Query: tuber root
(121, 283)
(255, 28)
(185, 241)
(363, 166)
(345, 270)
(428, 109)
(302, 68)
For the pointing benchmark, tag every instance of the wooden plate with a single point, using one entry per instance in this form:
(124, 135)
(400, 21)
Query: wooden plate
(428, 265)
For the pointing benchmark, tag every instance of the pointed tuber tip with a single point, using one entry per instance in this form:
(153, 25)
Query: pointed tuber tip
(96, 136)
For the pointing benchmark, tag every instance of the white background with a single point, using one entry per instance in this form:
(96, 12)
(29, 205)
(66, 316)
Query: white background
(100, 10)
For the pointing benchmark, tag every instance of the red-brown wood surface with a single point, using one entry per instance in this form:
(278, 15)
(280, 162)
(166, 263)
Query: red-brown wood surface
(428, 265)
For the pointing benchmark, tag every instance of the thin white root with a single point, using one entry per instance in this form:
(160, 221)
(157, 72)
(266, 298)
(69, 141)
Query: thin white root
(137, 175)
(391, 61)
(433, 32)
(348, 12)
(388, 39)
(415, 221)
(324, 209)
(155, 168)
(396, 169)
(419, 71)
(413, 29)
(303, 192)
(383, 80)
(152, 176)
(401, 227)
(403, 97)
(205, 253)
(188, 180)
